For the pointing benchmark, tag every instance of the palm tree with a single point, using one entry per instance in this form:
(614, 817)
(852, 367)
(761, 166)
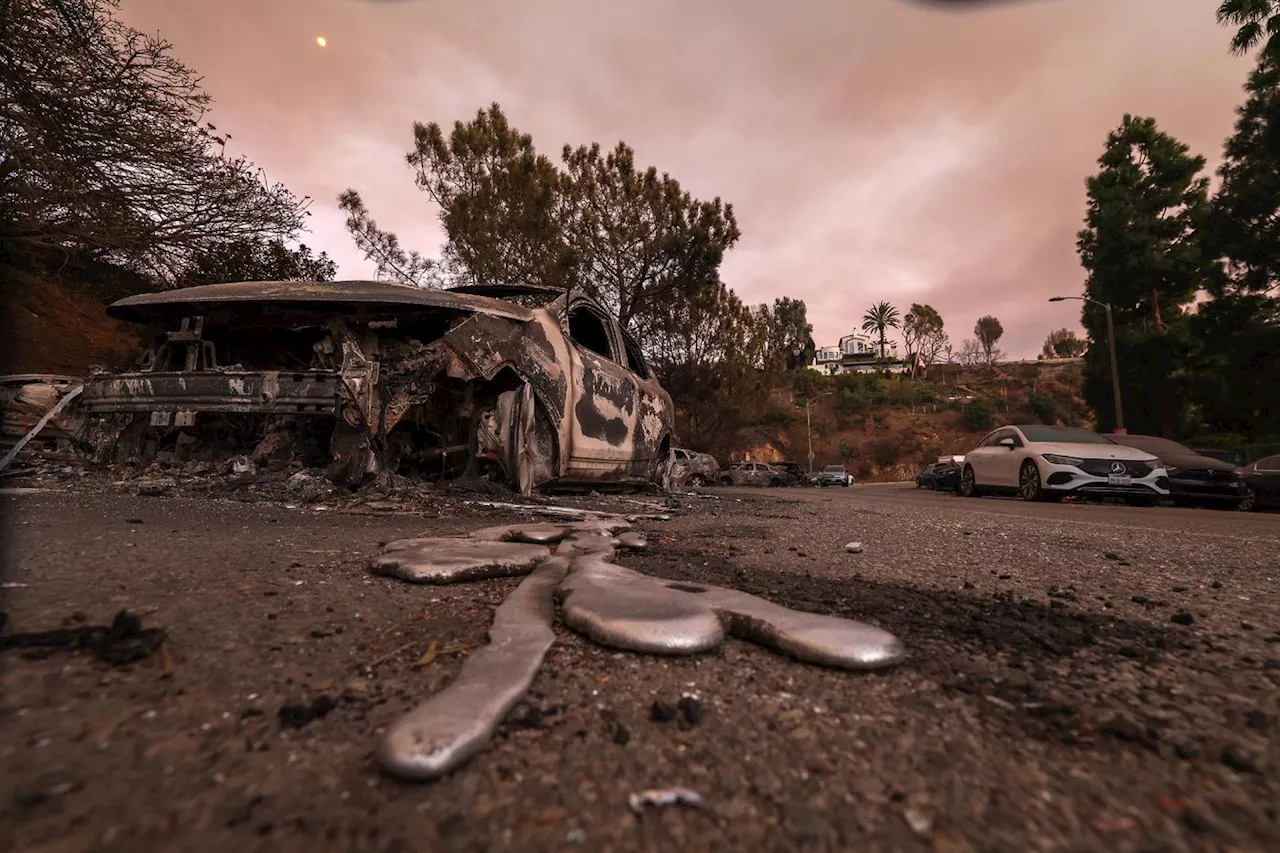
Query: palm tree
(1257, 23)
(879, 317)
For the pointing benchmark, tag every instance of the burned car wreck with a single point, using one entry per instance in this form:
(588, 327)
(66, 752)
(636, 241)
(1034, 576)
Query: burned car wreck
(530, 385)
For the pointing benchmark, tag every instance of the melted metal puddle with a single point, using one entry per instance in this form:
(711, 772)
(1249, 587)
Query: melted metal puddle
(572, 563)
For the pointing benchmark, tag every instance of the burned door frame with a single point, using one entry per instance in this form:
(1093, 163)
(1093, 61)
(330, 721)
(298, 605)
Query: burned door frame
(601, 442)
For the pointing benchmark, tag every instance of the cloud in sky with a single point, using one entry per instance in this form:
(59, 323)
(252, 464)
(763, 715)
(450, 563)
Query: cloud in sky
(873, 149)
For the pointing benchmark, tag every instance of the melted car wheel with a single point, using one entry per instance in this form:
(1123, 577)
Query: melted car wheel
(1029, 481)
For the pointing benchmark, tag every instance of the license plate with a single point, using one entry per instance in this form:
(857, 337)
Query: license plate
(1120, 480)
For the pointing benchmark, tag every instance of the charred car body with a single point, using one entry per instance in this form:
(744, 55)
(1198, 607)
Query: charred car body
(538, 383)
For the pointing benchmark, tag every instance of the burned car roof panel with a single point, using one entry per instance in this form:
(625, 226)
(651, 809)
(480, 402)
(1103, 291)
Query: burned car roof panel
(148, 306)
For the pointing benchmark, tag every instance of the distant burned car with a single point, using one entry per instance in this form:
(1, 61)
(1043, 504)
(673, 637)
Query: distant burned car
(540, 384)
(691, 468)
(793, 474)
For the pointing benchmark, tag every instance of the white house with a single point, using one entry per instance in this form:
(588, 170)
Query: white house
(856, 353)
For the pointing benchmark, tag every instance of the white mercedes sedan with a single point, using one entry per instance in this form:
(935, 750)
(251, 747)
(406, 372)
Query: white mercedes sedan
(1039, 462)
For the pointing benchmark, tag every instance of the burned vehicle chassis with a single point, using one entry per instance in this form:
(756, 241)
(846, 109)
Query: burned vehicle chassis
(434, 383)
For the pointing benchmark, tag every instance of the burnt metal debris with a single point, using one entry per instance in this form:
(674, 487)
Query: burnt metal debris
(573, 563)
(531, 386)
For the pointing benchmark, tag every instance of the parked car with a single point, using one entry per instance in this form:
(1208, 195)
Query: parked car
(538, 385)
(752, 474)
(794, 474)
(1040, 462)
(1193, 478)
(941, 476)
(691, 468)
(835, 475)
(1234, 457)
(1262, 483)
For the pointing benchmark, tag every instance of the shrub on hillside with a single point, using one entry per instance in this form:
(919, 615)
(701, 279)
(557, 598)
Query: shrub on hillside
(977, 415)
(776, 417)
(1044, 408)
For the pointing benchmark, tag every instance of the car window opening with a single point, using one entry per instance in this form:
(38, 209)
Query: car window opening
(589, 332)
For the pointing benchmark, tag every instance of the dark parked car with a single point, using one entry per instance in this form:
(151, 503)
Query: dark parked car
(1235, 457)
(835, 475)
(1262, 483)
(940, 477)
(1193, 477)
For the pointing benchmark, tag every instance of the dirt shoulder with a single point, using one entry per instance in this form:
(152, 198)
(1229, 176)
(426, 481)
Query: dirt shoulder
(1050, 701)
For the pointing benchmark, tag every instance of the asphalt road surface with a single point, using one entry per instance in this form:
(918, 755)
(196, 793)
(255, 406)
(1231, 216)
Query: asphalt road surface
(1079, 678)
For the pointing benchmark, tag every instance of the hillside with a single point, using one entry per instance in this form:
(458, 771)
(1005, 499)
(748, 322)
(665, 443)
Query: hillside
(54, 326)
(887, 428)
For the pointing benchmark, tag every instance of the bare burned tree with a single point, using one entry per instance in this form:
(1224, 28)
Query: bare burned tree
(104, 147)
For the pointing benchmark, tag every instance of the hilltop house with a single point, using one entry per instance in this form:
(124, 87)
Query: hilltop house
(857, 353)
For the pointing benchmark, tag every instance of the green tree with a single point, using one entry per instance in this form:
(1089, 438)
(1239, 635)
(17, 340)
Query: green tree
(257, 260)
(922, 337)
(500, 201)
(1257, 22)
(1237, 332)
(787, 336)
(880, 317)
(1063, 343)
(705, 349)
(633, 238)
(105, 151)
(1141, 250)
(636, 236)
(988, 333)
(392, 263)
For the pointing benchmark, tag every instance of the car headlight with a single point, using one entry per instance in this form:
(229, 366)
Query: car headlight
(1055, 459)
(1171, 470)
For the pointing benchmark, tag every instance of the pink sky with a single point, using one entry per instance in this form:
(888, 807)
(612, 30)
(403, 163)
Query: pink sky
(872, 149)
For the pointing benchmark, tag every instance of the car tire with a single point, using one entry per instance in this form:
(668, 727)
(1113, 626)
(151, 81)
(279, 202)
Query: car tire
(968, 487)
(1249, 503)
(1029, 488)
(1184, 503)
(697, 481)
(1143, 502)
(725, 481)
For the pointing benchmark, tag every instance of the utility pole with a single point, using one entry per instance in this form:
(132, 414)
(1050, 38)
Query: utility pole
(808, 423)
(1111, 347)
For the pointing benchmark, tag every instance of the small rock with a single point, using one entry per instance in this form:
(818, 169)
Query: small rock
(1238, 760)
(1216, 584)
(1125, 728)
(691, 709)
(1182, 617)
(133, 521)
(1124, 563)
(1246, 626)
(920, 822)
(1257, 720)
(661, 712)
(967, 585)
(1112, 555)
(1005, 577)
(621, 735)
(1179, 589)
(801, 554)
(854, 547)
(575, 837)
(152, 488)
(1139, 599)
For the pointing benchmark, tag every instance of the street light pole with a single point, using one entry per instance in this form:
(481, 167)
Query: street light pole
(1111, 347)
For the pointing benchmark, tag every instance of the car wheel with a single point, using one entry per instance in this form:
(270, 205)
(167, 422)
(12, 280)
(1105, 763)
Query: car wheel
(1249, 503)
(531, 450)
(968, 483)
(1184, 503)
(725, 481)
(1029, 481)
(697, 481)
